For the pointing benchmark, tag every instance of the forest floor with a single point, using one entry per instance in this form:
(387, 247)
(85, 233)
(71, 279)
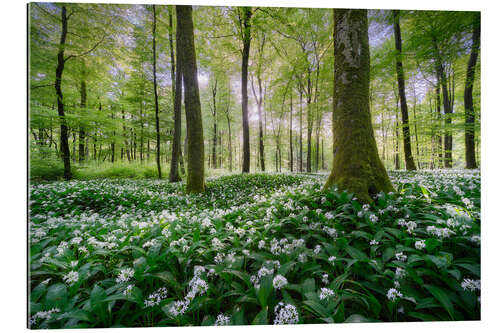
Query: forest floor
(253, 249)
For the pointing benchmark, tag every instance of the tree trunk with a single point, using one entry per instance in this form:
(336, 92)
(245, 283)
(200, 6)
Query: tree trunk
(470, 154)
(300, 134)
(157, 118)
(229, 143)
(247, 14)
(290, 158)
(410, 164)
(60, 105)
(356, 165)
(196, 151)
(214, 115)
(176, 76)
(81, 132)
(448, 139)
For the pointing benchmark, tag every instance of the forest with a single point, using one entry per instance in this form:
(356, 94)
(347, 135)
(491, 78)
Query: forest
(197, 165)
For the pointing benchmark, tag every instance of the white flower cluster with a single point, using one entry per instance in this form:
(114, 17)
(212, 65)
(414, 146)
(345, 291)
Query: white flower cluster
(475, 239)
(325, 293)
(332, 232)
(420, 244)
(400, 273)
(329, 215)
(71, 278)
(222, 320)
(279, 281)
(471, 285)
(43, 315)
(401, 256)
(125, 275)
(153, 243)
(217, 244)
(374, 242)
(181, 243)
(285, 314)
(393, 294)
(284, 246)
(197, 286)
(128, 290)
(156, 297)
(410, 225)
(439, 232)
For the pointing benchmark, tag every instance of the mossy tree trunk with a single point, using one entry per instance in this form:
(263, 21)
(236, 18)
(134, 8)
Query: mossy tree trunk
(470, 154)
(176, 75)
(410, 164)
(356, 165)
(195, 152)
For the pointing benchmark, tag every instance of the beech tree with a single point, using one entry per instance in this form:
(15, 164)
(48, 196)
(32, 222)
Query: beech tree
(195, 181)
(410, 164)
(356, 165)
(470, 154)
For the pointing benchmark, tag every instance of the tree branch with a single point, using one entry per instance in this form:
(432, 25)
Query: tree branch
(87, 52)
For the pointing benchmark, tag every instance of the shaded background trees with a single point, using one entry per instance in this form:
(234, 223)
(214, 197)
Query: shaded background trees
(109, 96)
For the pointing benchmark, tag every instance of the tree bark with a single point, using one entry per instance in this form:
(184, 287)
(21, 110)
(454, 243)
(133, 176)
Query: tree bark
(81, 132)
(196, 151)
(60, 104)
(176, 76)
(247, 14)
(448, 139)
(470, 154)
(290, 124)
(356, 165)
(155, 87)
(410, 164)
(214, 115)
(301, 162)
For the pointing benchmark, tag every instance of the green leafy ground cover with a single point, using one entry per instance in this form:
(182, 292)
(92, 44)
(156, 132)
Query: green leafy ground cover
(253, 249)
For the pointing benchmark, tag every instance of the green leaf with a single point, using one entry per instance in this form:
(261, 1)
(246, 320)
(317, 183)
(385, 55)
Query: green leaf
(266, 286)
(388, 254)
(422, 316)
(356, 253)
(261, 317)
(316, 308)
(441, 296)
(357, 318)
(57, 295)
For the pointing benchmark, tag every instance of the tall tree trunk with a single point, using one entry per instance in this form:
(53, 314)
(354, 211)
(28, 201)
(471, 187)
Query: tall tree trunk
(438, 113)
(60, 104)
(356, 165)
(247, 14)
(196, 151)
(214, 115)
(448, 139)
(309, 121)
(176, 76)
(157, 118)
(229, 143)
(418, 157)
(470, 154)
(301, 153)
(81, 132)
(290, 124)
(410, 164)
(397, 162)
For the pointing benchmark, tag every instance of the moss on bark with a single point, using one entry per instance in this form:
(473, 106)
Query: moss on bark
(356, 165)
